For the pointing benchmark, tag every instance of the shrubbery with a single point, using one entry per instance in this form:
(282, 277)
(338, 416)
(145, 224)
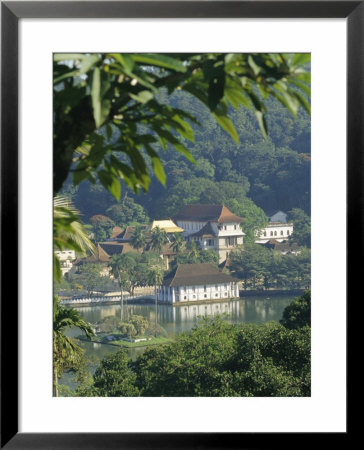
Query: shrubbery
(218, 359)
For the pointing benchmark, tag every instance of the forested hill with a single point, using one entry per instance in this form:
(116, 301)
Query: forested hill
(273, 174)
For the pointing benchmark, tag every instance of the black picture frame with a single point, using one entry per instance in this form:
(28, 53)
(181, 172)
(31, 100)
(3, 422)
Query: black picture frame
(11, 12)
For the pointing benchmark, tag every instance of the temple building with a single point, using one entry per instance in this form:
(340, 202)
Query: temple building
(212, 226)
(194, 282)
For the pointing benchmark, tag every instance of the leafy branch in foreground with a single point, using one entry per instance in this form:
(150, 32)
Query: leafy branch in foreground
(111, 119)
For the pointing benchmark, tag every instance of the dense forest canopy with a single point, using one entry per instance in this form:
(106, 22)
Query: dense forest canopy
(118, 116)
(273, 173)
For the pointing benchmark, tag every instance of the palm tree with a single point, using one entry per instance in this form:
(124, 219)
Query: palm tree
(117, 265)
(179, 243)
(66, 353)
(158, 239)
(193, 249)
(68, 232)
(155, 277)
(138, 238)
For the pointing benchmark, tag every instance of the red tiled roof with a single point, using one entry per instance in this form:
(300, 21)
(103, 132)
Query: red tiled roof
(213, 213)
(99, 256)
(116, 232)
(129, 230)
(116, 248)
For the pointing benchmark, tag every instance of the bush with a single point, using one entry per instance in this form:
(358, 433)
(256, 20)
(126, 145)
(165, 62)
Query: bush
(128, 329)
(109, 323)
(298, 313)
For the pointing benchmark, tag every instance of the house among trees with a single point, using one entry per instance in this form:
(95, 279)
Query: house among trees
(278, 228)
(126, 235)
(66, 259)
(104, 252)
(193, 282)
(214, 227)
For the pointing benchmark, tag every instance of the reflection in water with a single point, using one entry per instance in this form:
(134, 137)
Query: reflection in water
(176, 319)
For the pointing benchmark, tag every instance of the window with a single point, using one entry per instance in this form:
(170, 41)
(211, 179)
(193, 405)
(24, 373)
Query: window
(287, 232)
(234, 227)
(184, 298)
(225, 227)
(230, 241)
(275, 233)
(281, 232)
(204, 288)
(271, 233)
(265, 233)
(205, 295)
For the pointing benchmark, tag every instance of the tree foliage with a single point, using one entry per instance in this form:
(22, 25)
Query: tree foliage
(127, 213)
(138, 238)
(102, 227)
(107, 104)
(90, 278)
(298, 313)
(158, 238)
(261, 268)
(216, 359)
(301, 227)
(113, 378)
(66, 353)
(68, 232)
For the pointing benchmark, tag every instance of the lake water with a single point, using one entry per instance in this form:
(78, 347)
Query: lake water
(175, 319)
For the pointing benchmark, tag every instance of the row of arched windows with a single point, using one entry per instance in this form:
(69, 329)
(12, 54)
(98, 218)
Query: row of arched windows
(275, 233)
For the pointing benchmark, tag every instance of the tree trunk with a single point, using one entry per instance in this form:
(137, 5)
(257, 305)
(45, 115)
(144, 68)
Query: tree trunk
(121, 303)
(156, 309)
(55, 380)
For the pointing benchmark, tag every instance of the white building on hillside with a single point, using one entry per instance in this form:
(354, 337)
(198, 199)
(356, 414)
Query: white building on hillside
(194, 282)
(275, 230)
(278, 228)
(212, 226)
(66, 259)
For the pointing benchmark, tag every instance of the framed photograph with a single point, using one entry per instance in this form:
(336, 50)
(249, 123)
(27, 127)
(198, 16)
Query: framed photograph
(32, 34)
